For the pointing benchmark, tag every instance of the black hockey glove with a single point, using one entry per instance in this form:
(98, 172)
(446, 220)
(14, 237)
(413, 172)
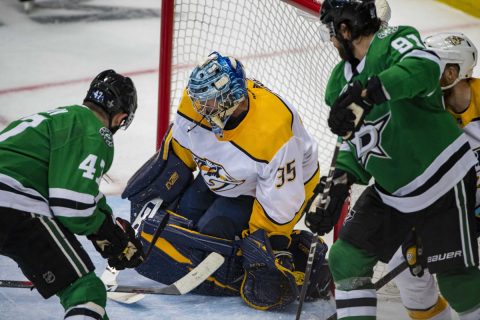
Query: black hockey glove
(349, 110)
(320, 220)
(269, 279)
(413, 252)
(376, 93)
(116, 242)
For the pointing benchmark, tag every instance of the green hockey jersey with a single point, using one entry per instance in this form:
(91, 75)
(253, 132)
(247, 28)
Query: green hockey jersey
(410, 144)
(51, 163)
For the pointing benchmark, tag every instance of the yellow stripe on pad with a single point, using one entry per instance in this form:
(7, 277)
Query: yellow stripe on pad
(168, 248)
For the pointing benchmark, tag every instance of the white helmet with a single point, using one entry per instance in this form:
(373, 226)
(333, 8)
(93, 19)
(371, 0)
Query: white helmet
(454, 48)
(384, 12)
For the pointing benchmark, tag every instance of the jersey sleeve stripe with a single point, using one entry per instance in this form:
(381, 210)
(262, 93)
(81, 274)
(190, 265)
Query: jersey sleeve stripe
(14, 195)
(68, 203)
(424, 55)
(70, 195)
(10, 184)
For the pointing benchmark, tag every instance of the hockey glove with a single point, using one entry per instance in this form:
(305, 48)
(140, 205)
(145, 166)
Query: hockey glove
(322, 220)
(116, 242)
(269, 280)
(413, 252)
(349, 110)
(320, 284)
(376, 93)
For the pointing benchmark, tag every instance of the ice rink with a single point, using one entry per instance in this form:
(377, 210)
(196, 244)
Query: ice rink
(44, 65)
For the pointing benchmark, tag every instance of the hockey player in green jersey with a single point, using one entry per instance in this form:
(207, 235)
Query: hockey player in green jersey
(458, 57)
(386, 103)
(50, 169)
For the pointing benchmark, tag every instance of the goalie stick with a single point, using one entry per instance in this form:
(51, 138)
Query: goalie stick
(313, 245)
(383, 281)
(110, 274)
(182, 286)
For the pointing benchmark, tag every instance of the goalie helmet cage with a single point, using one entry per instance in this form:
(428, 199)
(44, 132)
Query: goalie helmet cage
(277, 41)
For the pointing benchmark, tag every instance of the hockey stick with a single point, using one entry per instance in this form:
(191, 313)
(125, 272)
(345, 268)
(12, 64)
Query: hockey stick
(110, 274)
(383, 281)
(313, 245)
(182, 286)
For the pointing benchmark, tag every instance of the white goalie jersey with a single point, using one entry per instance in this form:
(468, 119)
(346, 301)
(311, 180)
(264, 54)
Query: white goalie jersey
(269, 156)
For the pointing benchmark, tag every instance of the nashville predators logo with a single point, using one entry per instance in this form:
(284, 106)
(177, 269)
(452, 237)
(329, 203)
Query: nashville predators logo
(215, 175)
(455, 40)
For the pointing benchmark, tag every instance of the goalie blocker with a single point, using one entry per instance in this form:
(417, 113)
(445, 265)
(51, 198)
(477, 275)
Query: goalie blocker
(163, 176)
(179, 249)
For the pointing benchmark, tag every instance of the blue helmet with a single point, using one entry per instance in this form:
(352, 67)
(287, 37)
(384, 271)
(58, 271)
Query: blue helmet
(216, 87)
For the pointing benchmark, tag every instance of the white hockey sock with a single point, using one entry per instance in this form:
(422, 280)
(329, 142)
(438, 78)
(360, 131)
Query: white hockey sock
(440, 311)
(473, 314)
(86, 311)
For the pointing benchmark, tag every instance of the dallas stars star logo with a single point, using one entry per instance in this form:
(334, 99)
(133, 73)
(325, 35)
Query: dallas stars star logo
(368, 140)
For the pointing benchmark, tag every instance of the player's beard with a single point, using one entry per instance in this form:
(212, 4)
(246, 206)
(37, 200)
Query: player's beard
(342, 53)
(342, 46)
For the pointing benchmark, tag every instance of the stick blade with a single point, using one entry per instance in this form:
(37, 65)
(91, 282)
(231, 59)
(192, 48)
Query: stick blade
(125, 297)
(205, 269)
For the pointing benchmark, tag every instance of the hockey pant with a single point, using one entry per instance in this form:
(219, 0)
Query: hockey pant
(373, 231)
(54, 260)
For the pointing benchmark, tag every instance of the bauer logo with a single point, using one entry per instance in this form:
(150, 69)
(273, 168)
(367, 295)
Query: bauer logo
(171, 181)
(444, 256)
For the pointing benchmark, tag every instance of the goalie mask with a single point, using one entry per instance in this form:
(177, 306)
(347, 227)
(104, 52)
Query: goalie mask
(115, 94)
(454, 48)
(216, 88)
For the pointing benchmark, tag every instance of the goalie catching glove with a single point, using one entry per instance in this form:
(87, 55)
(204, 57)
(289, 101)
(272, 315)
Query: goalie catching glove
(269, 280)
(115, 241)
(349, 110)
(322, 220)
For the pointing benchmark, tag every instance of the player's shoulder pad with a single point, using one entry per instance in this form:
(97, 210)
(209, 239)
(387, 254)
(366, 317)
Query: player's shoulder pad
(389, 32)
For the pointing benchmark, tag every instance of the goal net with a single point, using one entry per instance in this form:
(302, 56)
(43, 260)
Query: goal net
(277, 42)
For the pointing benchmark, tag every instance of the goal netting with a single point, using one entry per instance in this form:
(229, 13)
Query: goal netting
(277, 43)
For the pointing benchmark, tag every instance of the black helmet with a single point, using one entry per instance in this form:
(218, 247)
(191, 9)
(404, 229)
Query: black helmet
(114, 93)
(358, 14)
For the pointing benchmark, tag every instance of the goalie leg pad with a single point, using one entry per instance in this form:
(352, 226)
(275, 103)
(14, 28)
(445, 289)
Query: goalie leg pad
(267, 284)
(321, 283)
(179, 249)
